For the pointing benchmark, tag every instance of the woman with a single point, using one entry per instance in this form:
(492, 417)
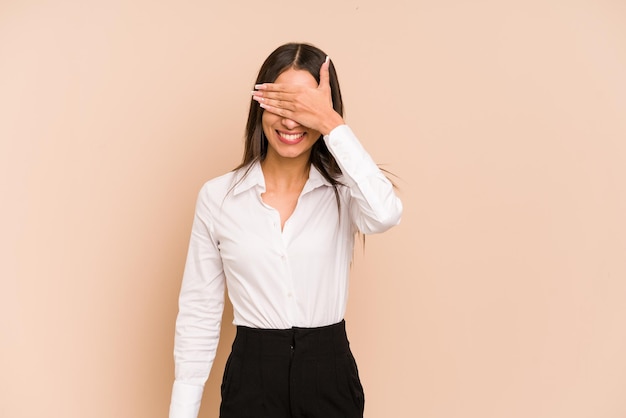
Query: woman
(279, 232)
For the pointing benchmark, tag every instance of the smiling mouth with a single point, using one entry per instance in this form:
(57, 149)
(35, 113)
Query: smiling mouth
(291, 138)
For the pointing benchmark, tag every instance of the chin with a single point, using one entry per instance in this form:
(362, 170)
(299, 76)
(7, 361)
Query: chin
(293, 155)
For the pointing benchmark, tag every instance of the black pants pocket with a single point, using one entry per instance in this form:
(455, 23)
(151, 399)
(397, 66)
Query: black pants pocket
(354, 382)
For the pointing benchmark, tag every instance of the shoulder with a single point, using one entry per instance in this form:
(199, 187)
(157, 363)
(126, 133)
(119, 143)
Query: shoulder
(214, 191)
(218, 188)
(220, 183)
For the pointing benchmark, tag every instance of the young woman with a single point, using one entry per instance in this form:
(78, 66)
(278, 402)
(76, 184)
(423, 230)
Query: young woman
(279, 232)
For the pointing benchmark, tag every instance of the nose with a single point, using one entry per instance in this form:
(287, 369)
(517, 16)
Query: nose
(290, 123)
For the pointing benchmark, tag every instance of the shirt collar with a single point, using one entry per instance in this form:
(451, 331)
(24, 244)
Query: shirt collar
(248, 177)
(316, 179)
(252, 176)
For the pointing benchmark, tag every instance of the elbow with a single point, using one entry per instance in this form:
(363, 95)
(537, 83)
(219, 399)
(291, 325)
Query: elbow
(392, 219)
(387, 219)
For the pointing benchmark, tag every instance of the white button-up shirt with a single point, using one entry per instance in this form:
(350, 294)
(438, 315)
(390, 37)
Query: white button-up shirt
(278, 279)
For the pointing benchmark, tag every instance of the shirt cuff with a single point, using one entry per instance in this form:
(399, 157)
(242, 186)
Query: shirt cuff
(349, 153)
(186, 400)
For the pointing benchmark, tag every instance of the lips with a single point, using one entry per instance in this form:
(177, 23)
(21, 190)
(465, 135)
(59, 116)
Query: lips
(290, 138)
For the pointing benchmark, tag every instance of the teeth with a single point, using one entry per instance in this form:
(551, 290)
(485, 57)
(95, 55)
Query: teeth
(291, 137)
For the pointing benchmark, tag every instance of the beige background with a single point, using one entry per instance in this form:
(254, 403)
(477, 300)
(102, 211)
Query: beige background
(502, 293)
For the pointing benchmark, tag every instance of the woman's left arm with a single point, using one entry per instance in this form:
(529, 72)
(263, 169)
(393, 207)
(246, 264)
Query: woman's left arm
(374, 205)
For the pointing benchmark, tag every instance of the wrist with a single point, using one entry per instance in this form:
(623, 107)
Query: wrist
(331, 123)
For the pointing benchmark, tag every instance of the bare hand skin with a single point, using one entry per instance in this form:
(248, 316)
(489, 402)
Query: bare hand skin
(310, 107)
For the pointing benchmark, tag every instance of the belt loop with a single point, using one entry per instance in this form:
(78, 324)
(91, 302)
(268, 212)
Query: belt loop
(319, 342)
(244, 339)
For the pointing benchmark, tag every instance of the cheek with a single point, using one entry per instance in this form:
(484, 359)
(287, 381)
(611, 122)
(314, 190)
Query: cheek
(267, 120)
(315, 135)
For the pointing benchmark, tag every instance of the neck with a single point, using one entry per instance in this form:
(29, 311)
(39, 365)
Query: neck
(285, 173)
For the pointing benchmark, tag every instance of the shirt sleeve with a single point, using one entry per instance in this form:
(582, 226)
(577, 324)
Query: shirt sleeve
(374, 206)
(201, 304)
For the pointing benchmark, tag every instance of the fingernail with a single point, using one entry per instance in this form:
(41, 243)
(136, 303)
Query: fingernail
(258, 86)
(327, 58)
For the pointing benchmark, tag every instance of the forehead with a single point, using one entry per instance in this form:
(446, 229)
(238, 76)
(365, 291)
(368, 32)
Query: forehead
(293, 76)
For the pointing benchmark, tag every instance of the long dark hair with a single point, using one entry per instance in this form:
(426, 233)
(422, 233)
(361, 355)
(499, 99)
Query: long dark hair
(299, 57)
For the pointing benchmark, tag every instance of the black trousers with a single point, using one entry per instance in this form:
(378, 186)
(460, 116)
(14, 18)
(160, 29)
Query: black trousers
(293, 373)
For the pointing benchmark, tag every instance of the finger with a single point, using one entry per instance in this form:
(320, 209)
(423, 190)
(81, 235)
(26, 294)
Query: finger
(274, 103)
(325, 74)
(277, 111)
(273, 95)
(287, 88)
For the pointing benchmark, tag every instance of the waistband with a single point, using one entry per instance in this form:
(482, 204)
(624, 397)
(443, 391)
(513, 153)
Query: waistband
(308, 342)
